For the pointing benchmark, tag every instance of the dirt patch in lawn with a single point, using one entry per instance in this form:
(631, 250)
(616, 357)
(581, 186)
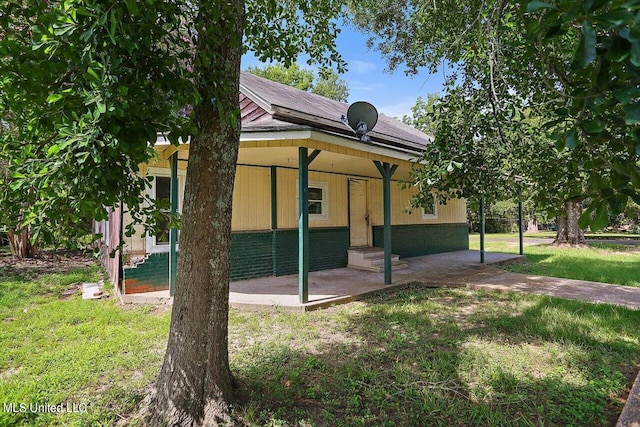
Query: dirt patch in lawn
(46, 262)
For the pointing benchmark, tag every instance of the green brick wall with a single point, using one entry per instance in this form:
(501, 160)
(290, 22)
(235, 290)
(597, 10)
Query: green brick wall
(424, 239)
(327, 249)
(251, 255)
(150, 275)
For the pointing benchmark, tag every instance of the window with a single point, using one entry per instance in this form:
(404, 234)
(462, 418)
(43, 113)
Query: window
(318, 201)
(161, 190)
(163, 193)
(315, 200)
(430, 207)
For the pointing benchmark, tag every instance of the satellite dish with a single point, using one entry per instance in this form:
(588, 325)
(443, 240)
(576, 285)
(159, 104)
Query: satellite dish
(361, 117)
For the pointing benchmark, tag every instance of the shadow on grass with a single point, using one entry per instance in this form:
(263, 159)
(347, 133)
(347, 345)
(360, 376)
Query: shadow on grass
(441, 357)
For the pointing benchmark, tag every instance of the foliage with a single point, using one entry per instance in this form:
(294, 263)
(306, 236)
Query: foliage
(79, 111)
(87, 84)
(327, 83)
(331, 86)
(525, 75)
(294, 75)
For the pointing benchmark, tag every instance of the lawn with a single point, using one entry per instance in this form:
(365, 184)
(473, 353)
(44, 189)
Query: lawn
(552, 235)
(414, 357)
(600, 262)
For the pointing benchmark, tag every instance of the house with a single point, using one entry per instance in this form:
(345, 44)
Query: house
(290, 137)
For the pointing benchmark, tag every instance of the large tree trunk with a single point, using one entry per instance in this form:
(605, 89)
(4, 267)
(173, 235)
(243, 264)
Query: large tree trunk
(568, 230)
(194, 387)
(20, 244)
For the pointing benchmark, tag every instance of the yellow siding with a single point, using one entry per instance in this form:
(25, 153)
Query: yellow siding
(288, 199)
(136, 244)
(252, 199)
(401, 214)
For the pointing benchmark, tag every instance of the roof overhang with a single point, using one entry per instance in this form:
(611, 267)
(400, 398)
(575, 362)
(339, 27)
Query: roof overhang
(323, 136)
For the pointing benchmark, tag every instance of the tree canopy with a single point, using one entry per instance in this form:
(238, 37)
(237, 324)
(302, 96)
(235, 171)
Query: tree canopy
(327, 83)
(524, 75)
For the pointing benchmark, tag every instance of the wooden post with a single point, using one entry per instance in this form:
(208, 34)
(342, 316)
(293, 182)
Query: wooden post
(303, 225)
(387, 172)
(274, 198)
(482, 229)
(173, 232)
(520, 227)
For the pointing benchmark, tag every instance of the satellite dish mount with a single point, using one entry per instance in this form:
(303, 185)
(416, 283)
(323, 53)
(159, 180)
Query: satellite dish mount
(361, 118)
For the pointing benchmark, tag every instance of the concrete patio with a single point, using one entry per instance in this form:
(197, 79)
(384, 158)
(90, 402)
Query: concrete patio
(342, 285)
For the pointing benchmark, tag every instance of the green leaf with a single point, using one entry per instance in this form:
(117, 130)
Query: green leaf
(615, 17)
(635, 54)
(601, 219)
(54, 97)
(132, 6)
(535, 6)
(53, 150)
(631, 34)
(638, 149)
(632, 114)
(585, 218)
(93, 73)
(571, 140)
(586, 52)
(626, 95)
(592, 126)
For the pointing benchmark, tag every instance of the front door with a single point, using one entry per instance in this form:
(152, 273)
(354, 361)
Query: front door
(358, 213)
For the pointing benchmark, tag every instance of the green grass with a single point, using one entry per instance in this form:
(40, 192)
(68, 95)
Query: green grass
(600, 262)
(552, 235)
(57, 350)
(414, 357)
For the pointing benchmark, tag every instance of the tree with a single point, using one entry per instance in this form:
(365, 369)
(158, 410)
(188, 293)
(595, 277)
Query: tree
(293, 75)
(327, 83)
(89, 83)
(574, 67)
(331, 86)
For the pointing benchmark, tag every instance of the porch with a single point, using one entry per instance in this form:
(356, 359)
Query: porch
(343, 285)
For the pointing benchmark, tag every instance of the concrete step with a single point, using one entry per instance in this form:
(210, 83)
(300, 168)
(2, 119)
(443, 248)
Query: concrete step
(372, 259)
(380, 268)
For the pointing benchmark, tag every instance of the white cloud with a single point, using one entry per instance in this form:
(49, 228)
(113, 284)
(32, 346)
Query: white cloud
(398, 109)
(361, 67)
(365, 86)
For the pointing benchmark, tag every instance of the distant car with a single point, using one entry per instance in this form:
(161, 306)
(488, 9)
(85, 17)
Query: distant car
(553, 228)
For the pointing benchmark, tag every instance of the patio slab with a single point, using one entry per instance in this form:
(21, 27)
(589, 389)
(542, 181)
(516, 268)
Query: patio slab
(342, 285)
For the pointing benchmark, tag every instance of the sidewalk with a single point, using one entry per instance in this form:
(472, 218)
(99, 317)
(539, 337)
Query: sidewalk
(490, 278)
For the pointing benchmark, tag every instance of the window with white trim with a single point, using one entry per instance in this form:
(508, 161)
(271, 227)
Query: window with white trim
(318, 200)
(430, 207)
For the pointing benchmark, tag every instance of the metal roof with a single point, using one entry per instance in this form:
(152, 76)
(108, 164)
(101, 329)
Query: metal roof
(288, 106)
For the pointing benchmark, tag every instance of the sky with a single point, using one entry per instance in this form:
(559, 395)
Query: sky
(393, 94)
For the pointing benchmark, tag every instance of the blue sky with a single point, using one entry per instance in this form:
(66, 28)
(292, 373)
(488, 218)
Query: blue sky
(391, 93)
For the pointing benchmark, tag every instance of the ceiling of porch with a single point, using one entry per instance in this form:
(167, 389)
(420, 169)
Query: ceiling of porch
(325, 162)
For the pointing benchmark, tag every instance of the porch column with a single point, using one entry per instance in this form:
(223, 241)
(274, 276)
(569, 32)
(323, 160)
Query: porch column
(481, 208)
(173, 232)
(520, 228)
(274, 198)
(304, 160)
(387, 171)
